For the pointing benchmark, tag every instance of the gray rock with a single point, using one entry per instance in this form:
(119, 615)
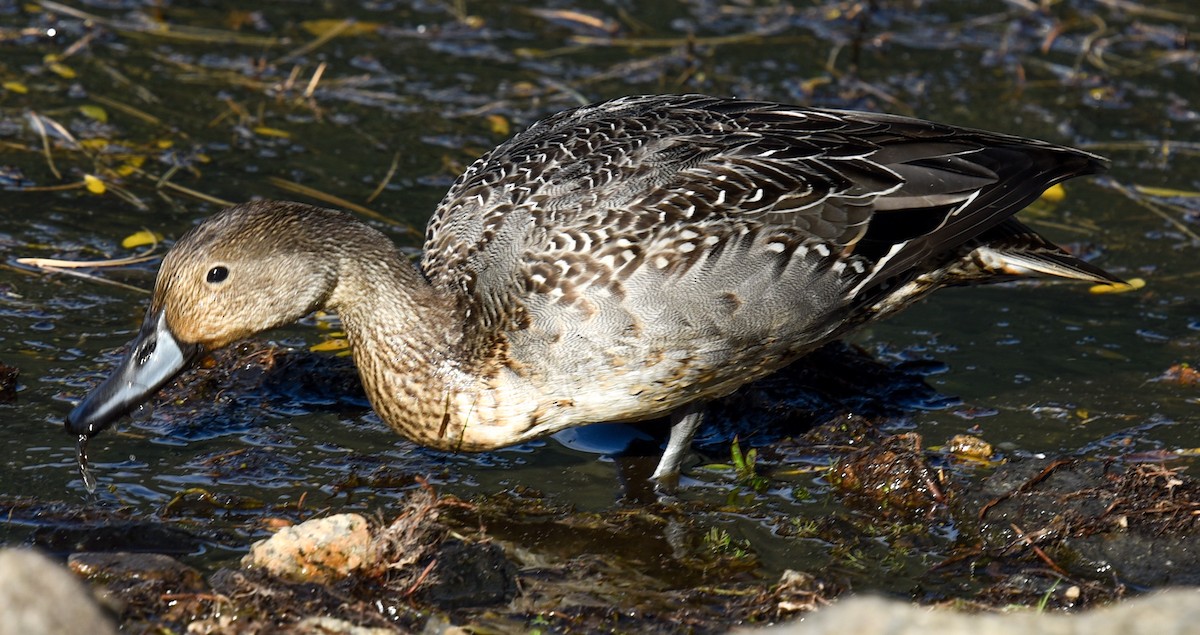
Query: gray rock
(40, 597)
(1172, 612)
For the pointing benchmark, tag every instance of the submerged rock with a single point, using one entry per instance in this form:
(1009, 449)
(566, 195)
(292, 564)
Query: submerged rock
(470, 574)
(38, 596)
(1094, 520)
(153, 591)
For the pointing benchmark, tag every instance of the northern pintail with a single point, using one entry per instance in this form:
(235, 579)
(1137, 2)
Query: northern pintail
(622, 261)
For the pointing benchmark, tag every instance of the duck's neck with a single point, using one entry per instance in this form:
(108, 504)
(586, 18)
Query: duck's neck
(405, 334)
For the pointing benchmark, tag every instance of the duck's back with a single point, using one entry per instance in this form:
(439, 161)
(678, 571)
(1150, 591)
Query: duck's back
(657, 249)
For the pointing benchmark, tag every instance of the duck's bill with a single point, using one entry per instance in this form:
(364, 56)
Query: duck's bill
(154, 358)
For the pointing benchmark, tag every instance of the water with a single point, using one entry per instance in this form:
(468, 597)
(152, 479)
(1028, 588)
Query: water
(1050, 368)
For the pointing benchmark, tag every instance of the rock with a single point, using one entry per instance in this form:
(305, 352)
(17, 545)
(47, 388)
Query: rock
(471, 574)
(38, 596)
(319, 550)
(1173, 612)
(115, 536)
(1097, 518)
(150, 590)
(109, 568)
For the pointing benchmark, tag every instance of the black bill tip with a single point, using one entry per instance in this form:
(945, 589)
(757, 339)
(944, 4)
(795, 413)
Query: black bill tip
(154, 358)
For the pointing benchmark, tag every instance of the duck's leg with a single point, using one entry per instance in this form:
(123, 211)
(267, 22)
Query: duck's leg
(684, 423)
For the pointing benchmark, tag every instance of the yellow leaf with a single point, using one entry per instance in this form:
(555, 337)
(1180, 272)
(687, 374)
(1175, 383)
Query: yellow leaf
(339, 27)
(94, 184)
(329, 346)
(1133, 284)
(1054, 194)
(499, 125)
(140, 239)
(94, 144)
(16, 87)
(94, 112)
(272, 132)
(163, 144)
(131, 165)
(62, 70)
(524, 88)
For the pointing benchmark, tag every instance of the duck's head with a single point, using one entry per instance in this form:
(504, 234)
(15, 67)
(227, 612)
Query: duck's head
(247, 269)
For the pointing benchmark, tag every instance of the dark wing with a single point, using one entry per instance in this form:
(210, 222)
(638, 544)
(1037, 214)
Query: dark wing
(892, 195)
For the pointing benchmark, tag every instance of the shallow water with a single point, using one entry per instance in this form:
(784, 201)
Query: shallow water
(1032, 368)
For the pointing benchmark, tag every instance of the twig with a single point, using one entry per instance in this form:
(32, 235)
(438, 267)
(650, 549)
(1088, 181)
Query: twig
(1155, 209)
(195, 194)
(1162, 146)
(387, 178)
(1140, 8)
(296, 188)
(1038, 550)
(1041, 476)
(312, 83)
(41, 129)
(670, 42)
(126, 108)
(421, 578)
(56, 263)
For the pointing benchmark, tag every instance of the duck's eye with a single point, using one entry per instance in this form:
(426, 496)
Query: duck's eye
(217, 274)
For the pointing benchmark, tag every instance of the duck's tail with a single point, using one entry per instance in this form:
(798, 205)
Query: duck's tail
(1013, 250)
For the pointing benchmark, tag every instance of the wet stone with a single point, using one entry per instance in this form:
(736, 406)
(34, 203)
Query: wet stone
(471, 574)
(1098, 520)
(148, 589)
(318, 550)
(966, 445)
(128, 536)
(108, 568)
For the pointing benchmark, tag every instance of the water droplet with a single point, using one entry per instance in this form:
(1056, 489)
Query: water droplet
(89, 481)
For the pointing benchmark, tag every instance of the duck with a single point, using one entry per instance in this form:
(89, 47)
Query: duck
(628, 260)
